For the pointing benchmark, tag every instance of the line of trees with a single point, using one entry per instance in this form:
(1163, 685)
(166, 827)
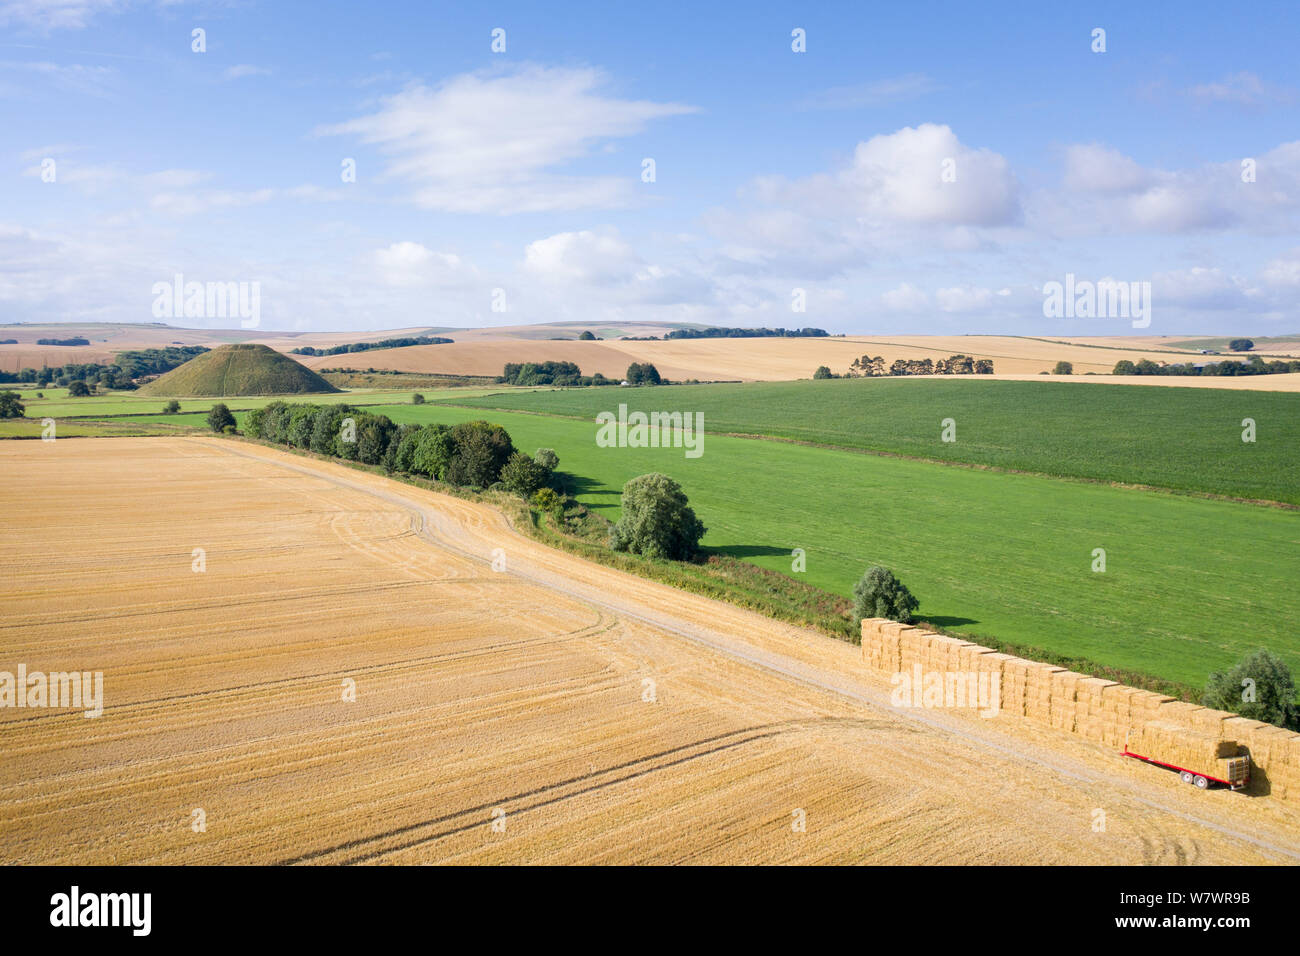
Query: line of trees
(869, 366)
(398, 343)
(568, 374)
(471, 454)
(72, 341)
(764, 333)
(1253, 366)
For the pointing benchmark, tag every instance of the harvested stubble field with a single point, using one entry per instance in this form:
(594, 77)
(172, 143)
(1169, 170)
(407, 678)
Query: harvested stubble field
(520, 690)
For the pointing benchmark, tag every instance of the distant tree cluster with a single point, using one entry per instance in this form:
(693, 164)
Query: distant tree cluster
(549, 373)
(72, 341)
(869, 366)
(643, 373)
(398, 343)
(8, 341)
(1241, 345)
(1254, 366)
(140, 362)
(718, 333)
(471, 454)
(10, 406)
(586, 337)
(121, 375)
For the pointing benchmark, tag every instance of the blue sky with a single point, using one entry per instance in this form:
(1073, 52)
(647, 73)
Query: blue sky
(520, 173)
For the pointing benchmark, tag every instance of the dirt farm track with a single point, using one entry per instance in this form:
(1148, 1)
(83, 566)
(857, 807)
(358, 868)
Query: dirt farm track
(554, 711)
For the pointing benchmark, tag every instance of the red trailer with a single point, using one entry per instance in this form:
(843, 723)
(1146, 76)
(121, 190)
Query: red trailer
(1236, 770)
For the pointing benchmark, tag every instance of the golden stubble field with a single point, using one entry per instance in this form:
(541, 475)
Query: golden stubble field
(550, 712)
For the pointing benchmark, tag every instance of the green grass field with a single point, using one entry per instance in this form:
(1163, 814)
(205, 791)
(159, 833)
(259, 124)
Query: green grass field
(1191, 583)
(56, 404)
(1186, 439)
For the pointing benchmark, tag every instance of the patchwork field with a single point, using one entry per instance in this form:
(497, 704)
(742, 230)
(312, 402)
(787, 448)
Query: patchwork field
(759, 359)
(521, 691)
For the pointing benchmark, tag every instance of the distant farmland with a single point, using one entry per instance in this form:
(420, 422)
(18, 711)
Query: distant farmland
(1184, 439)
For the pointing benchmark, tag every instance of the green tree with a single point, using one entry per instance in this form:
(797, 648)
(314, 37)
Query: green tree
(1260, 687)
(1241, 345)
(78, 389)
(1063, 368)
(172, 407)
(657, 520)
(642, 374)
(879, 594)
(431, 451)
(546, 499)
(219, 418)
(547, 458)
(374, 433)
(1124, 367)
(417, 399)
(481, 451)
(822, 372)
(523, 475)
(586, 337)
(10, 406)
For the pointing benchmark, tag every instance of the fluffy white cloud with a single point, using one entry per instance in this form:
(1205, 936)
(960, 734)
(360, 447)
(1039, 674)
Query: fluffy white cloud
(493, 142)
(1242, 89)
(410, 264)
(906, 298)
(917, 176)
(1106, 192)
(913, 190)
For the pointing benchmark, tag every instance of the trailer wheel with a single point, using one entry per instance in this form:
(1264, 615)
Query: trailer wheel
(1201, 783)
(1187, 776)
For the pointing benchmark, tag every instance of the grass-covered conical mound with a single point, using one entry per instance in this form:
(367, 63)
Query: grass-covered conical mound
(238, 370)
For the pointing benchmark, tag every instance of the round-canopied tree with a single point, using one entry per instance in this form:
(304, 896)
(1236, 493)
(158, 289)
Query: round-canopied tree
(879, 594)
(657, 521)
(1259, 687)
(220, 417)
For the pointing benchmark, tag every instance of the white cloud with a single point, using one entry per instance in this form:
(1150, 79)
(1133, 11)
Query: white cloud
(66, 77)
(54, 14)
(244, 69)
(411, 264)
(1097, 168)
(876, 93)
(964, 299)
(906, 298)
(193, 203)
(493, 142)
(1104, 191)
(1241, 89)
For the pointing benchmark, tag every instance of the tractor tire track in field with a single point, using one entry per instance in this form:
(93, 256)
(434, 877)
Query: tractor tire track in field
(472, 530)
